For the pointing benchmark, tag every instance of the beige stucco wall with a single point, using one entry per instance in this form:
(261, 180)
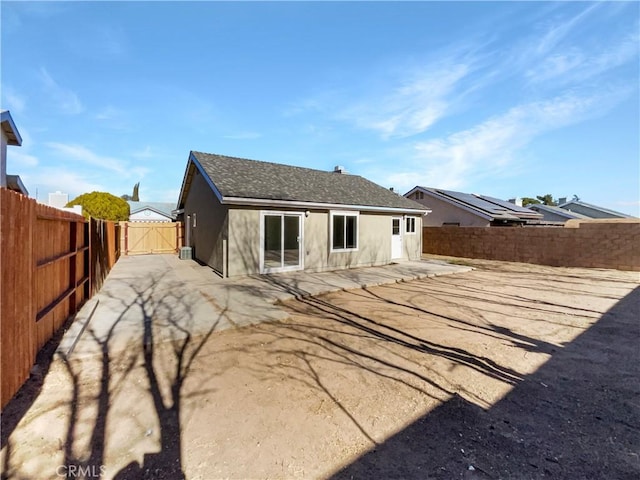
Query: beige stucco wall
(244, 241)
(444, 212)
(207, 237)
(412, 242)
(374, 242)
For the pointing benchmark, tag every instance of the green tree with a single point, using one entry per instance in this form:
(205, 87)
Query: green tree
(547, 199)
(102, 205)
(530, 201)
(134, 197)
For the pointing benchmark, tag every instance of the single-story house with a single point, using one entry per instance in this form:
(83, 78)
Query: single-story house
(246, 216)
(151, 211)
(552, 213)
(10, 136)
(589, 210)
(449, 208)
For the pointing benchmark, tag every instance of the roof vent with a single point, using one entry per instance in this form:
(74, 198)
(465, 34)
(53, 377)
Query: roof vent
(339, 169)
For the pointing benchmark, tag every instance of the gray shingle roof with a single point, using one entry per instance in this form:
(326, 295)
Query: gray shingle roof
(590, 206)
(557, 210)
(243, 178)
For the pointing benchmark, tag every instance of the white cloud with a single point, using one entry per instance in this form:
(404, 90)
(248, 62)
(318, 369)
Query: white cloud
(46, 180)
(559, 31)
(490, 147)
(575, 65)
(113, 118)
(414, 105)
(19, 160)
(14, 102)
(66, 100)
(146, 152)
(21, 157)
(82, 154)
(108, 113)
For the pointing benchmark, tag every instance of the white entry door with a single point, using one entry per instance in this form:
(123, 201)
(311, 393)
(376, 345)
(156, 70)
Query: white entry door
(396, 237)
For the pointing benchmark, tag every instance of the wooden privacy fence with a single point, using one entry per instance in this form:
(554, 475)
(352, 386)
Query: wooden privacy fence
(47, 272)
(105, 250)
(139, 238)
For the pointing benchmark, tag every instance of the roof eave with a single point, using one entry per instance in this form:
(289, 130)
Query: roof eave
(263, 202)
(594, 207)
(456, 203)
(14, 182)
(155, 210)
(186, 183)
(10, 129)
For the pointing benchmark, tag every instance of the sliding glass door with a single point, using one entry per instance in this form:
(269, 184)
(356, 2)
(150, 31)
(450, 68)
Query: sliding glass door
(281, 241)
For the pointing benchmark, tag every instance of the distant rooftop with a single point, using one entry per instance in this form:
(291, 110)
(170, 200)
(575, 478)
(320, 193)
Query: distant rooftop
(163, 208)
(9, 128)
(485, 205)
(582, 206)
(557, 210)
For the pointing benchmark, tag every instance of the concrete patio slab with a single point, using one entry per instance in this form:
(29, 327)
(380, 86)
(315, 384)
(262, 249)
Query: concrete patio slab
(155, 298)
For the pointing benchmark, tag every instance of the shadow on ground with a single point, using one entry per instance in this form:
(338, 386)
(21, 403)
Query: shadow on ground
(158, 316)
(572, 418)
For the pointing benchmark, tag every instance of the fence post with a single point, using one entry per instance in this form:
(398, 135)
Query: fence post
(126, 238)
(87, 260)
(73, 261)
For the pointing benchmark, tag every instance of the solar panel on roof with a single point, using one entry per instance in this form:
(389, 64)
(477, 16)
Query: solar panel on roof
(510, 206)
(472, 200)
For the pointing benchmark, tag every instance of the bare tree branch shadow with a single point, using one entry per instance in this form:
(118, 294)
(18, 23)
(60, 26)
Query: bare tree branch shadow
(572, 418)
(167, 320)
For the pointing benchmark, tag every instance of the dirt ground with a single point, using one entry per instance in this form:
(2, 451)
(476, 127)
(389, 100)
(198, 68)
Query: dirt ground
(509, 371)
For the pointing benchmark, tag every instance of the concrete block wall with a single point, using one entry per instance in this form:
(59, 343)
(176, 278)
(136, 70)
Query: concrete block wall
(592, 244)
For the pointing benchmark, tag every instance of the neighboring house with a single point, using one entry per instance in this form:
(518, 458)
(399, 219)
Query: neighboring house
(555, 214)
(59, 200)
(469, 210)
(245, 217)
(589, 210)
(151, 211)
(14, 182)
(10, 136)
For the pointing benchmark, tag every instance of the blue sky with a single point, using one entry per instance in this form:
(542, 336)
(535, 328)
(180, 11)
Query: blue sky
(505, 99)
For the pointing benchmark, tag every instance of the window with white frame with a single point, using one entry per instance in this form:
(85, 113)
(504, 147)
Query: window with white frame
(410, 225)
(344, 231)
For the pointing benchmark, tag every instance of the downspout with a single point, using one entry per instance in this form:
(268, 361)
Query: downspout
(187, 232)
